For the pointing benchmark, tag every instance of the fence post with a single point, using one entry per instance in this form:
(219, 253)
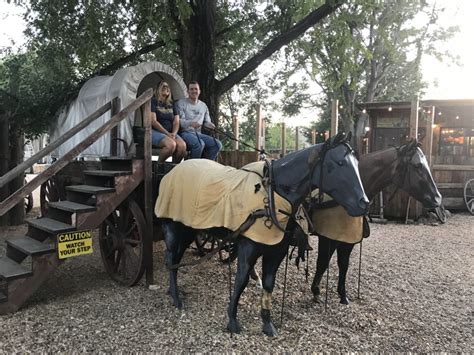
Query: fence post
(429, 136)
(417, 210)
(260, 141)
(283, 139)
(148, 190)
(313, 137)
(297, 138)
(235, 129)
(334, 116)
(114, 109)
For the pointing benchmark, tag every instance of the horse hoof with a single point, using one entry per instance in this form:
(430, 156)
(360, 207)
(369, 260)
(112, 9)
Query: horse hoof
(270, 330)
(234, 327)
(316, 299)
(344, 300)
(178, 303)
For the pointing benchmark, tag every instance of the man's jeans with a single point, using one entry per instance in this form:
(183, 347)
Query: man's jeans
(198, 143)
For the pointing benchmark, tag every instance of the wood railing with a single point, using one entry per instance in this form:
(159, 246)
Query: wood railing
(24, 191)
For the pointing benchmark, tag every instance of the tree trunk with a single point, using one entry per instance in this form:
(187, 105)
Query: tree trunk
(198, 53)
(197, 49)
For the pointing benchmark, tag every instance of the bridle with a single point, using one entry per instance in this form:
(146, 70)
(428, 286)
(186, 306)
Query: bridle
(270, 204)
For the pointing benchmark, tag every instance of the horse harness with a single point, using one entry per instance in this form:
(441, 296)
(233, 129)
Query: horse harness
(269, 210)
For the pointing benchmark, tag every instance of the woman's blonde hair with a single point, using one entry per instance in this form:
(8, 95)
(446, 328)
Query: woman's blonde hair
(169, 99)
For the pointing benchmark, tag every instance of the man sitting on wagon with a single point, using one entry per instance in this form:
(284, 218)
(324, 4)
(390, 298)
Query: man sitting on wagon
(193, 115)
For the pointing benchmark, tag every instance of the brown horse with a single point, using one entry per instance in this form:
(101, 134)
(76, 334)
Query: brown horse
(331, 166)
(404, 166)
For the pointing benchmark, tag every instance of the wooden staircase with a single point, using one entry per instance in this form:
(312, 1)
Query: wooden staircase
(30, 259)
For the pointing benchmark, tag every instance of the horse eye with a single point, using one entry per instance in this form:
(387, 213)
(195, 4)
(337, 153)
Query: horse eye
(340, 162)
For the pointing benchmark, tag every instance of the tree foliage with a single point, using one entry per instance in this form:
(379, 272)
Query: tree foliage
(368, 51)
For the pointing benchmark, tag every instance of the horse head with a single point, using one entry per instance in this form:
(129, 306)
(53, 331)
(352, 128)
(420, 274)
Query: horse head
(413, 175)
(331, 166)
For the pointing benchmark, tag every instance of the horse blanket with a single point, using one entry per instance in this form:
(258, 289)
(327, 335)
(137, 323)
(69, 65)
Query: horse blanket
(334, 223)
(203, 194)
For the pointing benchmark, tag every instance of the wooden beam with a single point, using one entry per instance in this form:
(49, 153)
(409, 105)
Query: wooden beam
(235, 130)
(428, 141)
(114, 133)
(453, 167)
(148, 191)
(450, 185)
(283, 139)
(297, 138)
(258, 130)
(414, 117)
(334, 117)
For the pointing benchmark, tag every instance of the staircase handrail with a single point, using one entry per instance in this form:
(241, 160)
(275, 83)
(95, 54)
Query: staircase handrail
(9, 176)
(25, 190)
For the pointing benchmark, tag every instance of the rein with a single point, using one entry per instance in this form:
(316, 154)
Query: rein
(217, 130)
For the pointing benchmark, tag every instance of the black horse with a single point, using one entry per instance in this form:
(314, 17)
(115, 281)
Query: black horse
(404, 166)
(331, 166)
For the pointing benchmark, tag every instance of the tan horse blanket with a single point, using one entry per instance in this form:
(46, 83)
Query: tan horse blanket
(334, 223)
(203, 194)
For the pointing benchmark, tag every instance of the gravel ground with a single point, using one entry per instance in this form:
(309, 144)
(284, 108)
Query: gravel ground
(416, 296)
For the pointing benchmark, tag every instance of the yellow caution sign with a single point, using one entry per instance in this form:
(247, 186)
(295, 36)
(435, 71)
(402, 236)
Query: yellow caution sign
(74, 243)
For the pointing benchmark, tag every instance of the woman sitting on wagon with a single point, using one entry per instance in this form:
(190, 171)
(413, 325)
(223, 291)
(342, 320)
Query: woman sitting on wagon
(165, 124)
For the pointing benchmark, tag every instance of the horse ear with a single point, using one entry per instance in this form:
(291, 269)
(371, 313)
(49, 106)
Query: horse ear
(348, 137)
(413, 143)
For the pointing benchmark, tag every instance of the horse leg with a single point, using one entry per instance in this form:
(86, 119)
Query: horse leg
(344, 251)
(177, 238)
(270, 264)
(326, 248)
(246, 257)
(256, 277)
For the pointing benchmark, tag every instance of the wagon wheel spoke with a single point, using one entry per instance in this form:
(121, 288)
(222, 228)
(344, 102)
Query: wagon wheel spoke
(469, 195)
(49, 192)
(117, 260)
(121, 243)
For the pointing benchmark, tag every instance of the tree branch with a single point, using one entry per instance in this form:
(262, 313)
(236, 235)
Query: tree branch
(275, 44)
(124, 60)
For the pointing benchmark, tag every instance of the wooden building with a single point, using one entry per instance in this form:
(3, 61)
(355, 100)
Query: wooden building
(446, 129)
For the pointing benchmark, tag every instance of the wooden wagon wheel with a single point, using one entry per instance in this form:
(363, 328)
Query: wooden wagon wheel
(205, 243)
(121, 242)
(469, 195)
(49, 192)
(28, 201)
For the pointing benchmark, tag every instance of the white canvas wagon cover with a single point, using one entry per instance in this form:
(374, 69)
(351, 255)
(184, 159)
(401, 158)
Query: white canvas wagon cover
(126, 84)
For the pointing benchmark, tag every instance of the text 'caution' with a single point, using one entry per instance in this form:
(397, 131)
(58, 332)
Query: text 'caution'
(74, 243)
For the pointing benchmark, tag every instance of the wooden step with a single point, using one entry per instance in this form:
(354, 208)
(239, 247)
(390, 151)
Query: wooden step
(11, 270)
(107, 173)
(31, 246)
(50, 225)
(90, 189)
(70, 206)
(3, 297)
(116, 163)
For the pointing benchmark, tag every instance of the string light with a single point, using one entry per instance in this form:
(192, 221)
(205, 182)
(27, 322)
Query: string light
(457, 117)
(364, 111)
(390, 108)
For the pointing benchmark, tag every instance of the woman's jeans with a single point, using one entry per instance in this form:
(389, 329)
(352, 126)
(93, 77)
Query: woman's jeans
(199, 143)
